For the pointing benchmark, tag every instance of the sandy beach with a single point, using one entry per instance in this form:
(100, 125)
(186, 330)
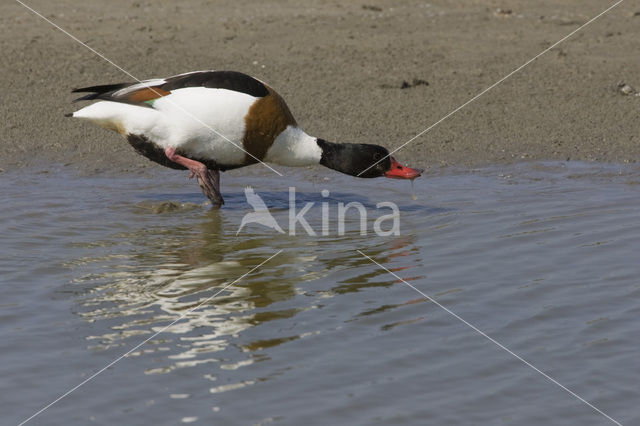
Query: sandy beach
(364, 71)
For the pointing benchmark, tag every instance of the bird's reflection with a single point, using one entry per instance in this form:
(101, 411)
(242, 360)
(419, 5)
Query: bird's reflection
(152, 275)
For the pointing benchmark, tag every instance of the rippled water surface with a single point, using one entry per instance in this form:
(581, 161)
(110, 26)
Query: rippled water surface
(544, 258)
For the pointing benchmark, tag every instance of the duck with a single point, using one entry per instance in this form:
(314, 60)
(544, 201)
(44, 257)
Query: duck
(209, 122)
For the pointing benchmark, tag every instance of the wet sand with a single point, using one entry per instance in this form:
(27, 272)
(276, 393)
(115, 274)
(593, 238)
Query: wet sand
(366, 71)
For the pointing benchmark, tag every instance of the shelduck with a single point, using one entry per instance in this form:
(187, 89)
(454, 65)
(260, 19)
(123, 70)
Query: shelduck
(212, 121)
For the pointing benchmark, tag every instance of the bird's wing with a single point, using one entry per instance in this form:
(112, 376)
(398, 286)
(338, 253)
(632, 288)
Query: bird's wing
(145, 92)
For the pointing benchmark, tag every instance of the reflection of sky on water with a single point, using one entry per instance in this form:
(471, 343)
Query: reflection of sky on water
(147, 278)
(543, 261)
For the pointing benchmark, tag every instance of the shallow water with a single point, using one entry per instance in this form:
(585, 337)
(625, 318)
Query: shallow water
(541, 257)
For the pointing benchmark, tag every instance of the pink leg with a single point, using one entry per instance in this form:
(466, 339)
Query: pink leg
(209, 180)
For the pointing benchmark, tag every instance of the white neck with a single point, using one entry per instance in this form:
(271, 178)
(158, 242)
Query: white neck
(293, 147)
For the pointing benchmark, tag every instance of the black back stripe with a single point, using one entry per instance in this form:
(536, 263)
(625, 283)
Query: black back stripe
(230, 80)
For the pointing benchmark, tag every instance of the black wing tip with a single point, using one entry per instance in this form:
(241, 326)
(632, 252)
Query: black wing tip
(89, 89)
(88, 97)
(96, 92)
(102, 87)
(69, 114)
